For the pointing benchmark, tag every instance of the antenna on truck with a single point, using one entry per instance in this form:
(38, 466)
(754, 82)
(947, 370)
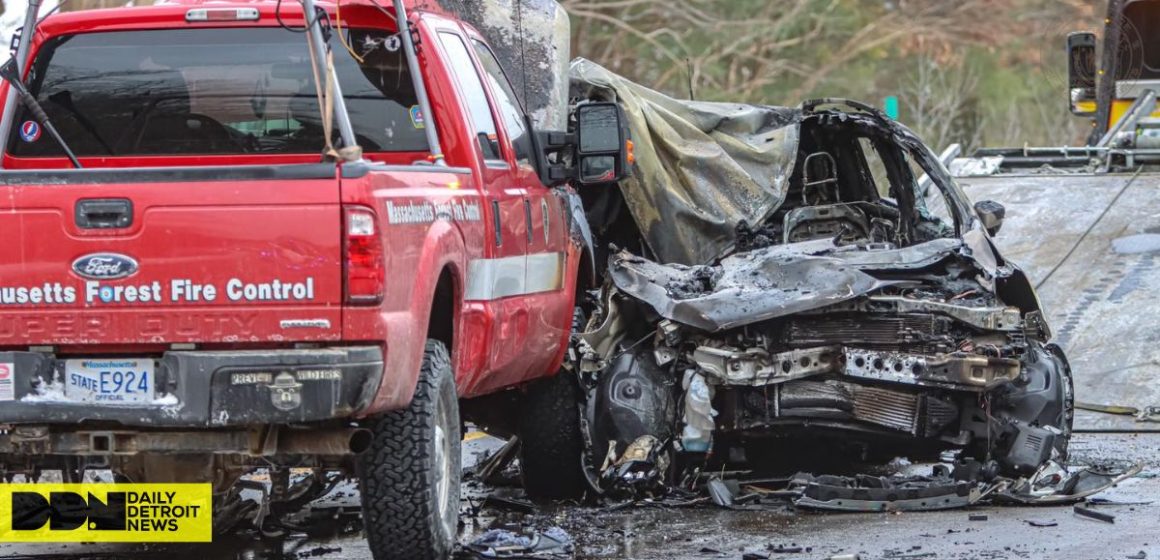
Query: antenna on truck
(10, 73)
(323, 70)
(404, 28)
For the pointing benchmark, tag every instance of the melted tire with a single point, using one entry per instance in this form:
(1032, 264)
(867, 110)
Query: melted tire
(551, 445)
(399, 475)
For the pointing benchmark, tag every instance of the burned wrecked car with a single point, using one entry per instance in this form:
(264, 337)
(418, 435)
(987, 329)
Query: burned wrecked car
(786, 282)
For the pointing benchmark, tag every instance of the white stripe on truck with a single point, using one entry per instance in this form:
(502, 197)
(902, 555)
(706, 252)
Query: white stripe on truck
(492, 279)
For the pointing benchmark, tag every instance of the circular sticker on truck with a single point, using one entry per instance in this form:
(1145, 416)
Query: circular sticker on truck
(30, 131)
(7, 383)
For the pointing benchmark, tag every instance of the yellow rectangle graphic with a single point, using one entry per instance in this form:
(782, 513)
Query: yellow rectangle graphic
(106, 512)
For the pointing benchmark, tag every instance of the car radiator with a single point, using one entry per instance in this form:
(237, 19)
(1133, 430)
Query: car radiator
(914, 332)
(892, 409)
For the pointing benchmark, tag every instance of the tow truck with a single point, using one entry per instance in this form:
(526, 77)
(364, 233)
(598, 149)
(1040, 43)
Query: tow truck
(1083, 219)
(269, 234)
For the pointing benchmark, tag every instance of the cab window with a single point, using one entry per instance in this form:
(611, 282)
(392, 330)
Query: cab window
(509, 109)
(212, 92)
(471, 87)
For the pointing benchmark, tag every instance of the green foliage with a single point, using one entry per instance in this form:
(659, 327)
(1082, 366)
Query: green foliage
(977, 72)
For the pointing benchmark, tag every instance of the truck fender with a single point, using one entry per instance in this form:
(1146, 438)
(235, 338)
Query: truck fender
(443, 249)
(581, 267)
(581, 234)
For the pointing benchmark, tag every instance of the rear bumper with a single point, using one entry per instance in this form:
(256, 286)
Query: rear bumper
(208, 389)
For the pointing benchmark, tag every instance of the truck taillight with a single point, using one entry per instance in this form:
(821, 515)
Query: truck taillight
(363, 254)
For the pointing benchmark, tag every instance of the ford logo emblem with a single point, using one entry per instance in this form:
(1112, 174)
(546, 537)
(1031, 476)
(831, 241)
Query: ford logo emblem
(104, 266)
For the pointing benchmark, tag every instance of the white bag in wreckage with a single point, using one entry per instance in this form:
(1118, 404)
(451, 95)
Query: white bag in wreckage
(532, 42)
(701, 167)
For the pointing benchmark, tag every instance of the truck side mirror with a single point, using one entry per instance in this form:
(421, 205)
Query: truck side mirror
(1081, 73)
(603, 146)
(598, 150)
(991, 213)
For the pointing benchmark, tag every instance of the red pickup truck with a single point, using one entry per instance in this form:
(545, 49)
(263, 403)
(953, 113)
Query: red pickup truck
(198, 292)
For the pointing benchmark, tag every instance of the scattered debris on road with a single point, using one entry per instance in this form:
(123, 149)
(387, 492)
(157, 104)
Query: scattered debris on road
(1097, 515)
(792, 548)
(495, 470)
(496, 501)
(1041, 523)
(898, 493)
(720, 493)
(552, 542)
(1107, 502)
(1145, 414)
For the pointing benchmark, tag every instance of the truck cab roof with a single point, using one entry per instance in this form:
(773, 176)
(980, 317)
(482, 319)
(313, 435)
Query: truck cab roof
(173, 14)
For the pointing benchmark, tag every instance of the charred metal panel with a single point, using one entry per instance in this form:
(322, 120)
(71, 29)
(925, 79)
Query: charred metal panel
(701, 167)
(816, 399)
(742, 290)
(755, 366)
(969, 372)
(867, 493)
(635, 398)
(531, 39)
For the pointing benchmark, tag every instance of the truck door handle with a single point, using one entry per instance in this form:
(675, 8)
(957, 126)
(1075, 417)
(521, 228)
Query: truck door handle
(104, 213)
(497, 223)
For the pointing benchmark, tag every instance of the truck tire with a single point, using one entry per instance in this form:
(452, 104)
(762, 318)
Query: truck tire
(409, 477)
(550, 440)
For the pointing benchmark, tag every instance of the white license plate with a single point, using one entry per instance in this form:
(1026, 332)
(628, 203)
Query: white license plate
(112, 380)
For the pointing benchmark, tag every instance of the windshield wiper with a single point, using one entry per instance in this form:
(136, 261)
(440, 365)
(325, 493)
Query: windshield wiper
(11, 75)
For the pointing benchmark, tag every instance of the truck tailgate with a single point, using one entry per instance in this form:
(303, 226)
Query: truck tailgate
(201, 255)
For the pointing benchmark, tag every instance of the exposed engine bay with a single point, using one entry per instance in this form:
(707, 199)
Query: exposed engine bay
(868, 316)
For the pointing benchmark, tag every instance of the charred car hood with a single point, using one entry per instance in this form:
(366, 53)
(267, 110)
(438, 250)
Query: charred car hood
(767, 283)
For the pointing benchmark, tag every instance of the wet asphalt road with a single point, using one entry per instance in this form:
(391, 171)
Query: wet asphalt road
(708, 533)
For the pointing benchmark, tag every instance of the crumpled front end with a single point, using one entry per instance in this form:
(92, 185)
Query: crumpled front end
(867, 315)
(818, 348)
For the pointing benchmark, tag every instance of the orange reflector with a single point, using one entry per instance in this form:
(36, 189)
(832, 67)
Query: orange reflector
(628, 151)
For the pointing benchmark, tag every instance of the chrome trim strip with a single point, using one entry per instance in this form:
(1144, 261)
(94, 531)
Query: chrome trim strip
(545, 273)
(492, 279)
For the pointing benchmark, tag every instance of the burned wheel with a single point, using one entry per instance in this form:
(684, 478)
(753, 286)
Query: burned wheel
(409, 477)
(1068, 399)
(551, 444)
(1031, 422)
